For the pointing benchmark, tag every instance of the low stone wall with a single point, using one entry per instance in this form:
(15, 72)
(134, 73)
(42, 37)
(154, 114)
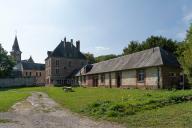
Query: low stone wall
(17, 82)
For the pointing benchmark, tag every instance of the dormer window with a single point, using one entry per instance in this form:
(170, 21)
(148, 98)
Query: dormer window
(57, 62)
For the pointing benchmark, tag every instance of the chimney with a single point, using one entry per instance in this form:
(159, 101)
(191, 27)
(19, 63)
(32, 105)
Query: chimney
(71, 40)
(78, 45)
(71, 43)
(65, 40)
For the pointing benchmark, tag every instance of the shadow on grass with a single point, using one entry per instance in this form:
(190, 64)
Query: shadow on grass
(18, 87)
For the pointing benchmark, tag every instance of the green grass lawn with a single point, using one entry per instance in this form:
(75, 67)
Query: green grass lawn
(134, 107)
(8, 98)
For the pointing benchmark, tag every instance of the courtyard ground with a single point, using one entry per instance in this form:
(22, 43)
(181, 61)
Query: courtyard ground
(130, 108)
(39, 111)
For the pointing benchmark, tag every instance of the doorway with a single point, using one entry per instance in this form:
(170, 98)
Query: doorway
(95, 81)
(110, 80)
(118, 79)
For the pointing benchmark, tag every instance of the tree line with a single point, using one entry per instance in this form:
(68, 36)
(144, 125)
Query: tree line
(182, 50)
(136, 46)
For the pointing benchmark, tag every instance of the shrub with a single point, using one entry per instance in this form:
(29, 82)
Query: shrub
(113, 109)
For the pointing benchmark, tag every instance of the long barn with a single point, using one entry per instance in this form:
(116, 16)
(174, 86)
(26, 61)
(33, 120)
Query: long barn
(152, 68)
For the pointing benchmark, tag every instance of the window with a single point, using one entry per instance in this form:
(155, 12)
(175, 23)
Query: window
(172, 74)
(69, 64)
(57, 62)
(30, 74)
(57, 71)
(26, 73)
(39, 73)
(102, 78)
(140, 76)
(36, 73)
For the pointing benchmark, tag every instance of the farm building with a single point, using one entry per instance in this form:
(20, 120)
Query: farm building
(152, 68)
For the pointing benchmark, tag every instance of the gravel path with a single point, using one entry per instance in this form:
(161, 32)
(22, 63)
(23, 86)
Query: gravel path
(39, 111)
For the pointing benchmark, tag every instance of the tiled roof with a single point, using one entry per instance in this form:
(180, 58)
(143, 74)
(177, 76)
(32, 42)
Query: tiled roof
(147, 58)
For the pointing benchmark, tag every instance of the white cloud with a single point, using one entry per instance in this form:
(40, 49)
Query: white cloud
(101, 48)
(188, 18)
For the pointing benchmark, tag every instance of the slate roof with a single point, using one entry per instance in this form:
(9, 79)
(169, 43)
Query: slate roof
(32, 66)
(15, 46)
(147, 58)
(25, 65)
(67, 50)
(31, 60)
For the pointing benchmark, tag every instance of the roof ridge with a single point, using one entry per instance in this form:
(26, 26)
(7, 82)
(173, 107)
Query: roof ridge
(161, 55)
(126, 55)
(57, 47)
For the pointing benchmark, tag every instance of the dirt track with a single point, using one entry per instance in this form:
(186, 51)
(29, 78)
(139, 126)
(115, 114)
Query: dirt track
(39, 111)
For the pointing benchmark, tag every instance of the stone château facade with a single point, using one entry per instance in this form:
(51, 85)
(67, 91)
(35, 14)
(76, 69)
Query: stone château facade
(63, 62)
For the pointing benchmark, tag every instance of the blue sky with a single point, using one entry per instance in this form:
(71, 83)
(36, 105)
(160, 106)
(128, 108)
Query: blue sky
(102, 26)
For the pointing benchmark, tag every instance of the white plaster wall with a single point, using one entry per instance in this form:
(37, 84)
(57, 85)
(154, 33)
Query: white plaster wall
(151, 76)
(113, 80)
(129, 78)
(107, 79)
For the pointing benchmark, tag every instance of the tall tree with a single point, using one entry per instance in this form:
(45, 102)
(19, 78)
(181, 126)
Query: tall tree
(133, 46)
(105, 57)
(152, 41)
(186, 55)
(90, 58)
(159, 41)
(6, 63)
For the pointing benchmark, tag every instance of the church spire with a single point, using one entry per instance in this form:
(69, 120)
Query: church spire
(16, 53)
(15, 46)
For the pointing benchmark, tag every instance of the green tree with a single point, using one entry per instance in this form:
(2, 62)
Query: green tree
(90, 58)
(6, 63)
(152, 41)
(186, 54)
(159, 41)
(133, 46)
(105, 57)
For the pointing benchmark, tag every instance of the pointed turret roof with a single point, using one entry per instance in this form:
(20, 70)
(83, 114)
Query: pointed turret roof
(15, 46)
(31, 60)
